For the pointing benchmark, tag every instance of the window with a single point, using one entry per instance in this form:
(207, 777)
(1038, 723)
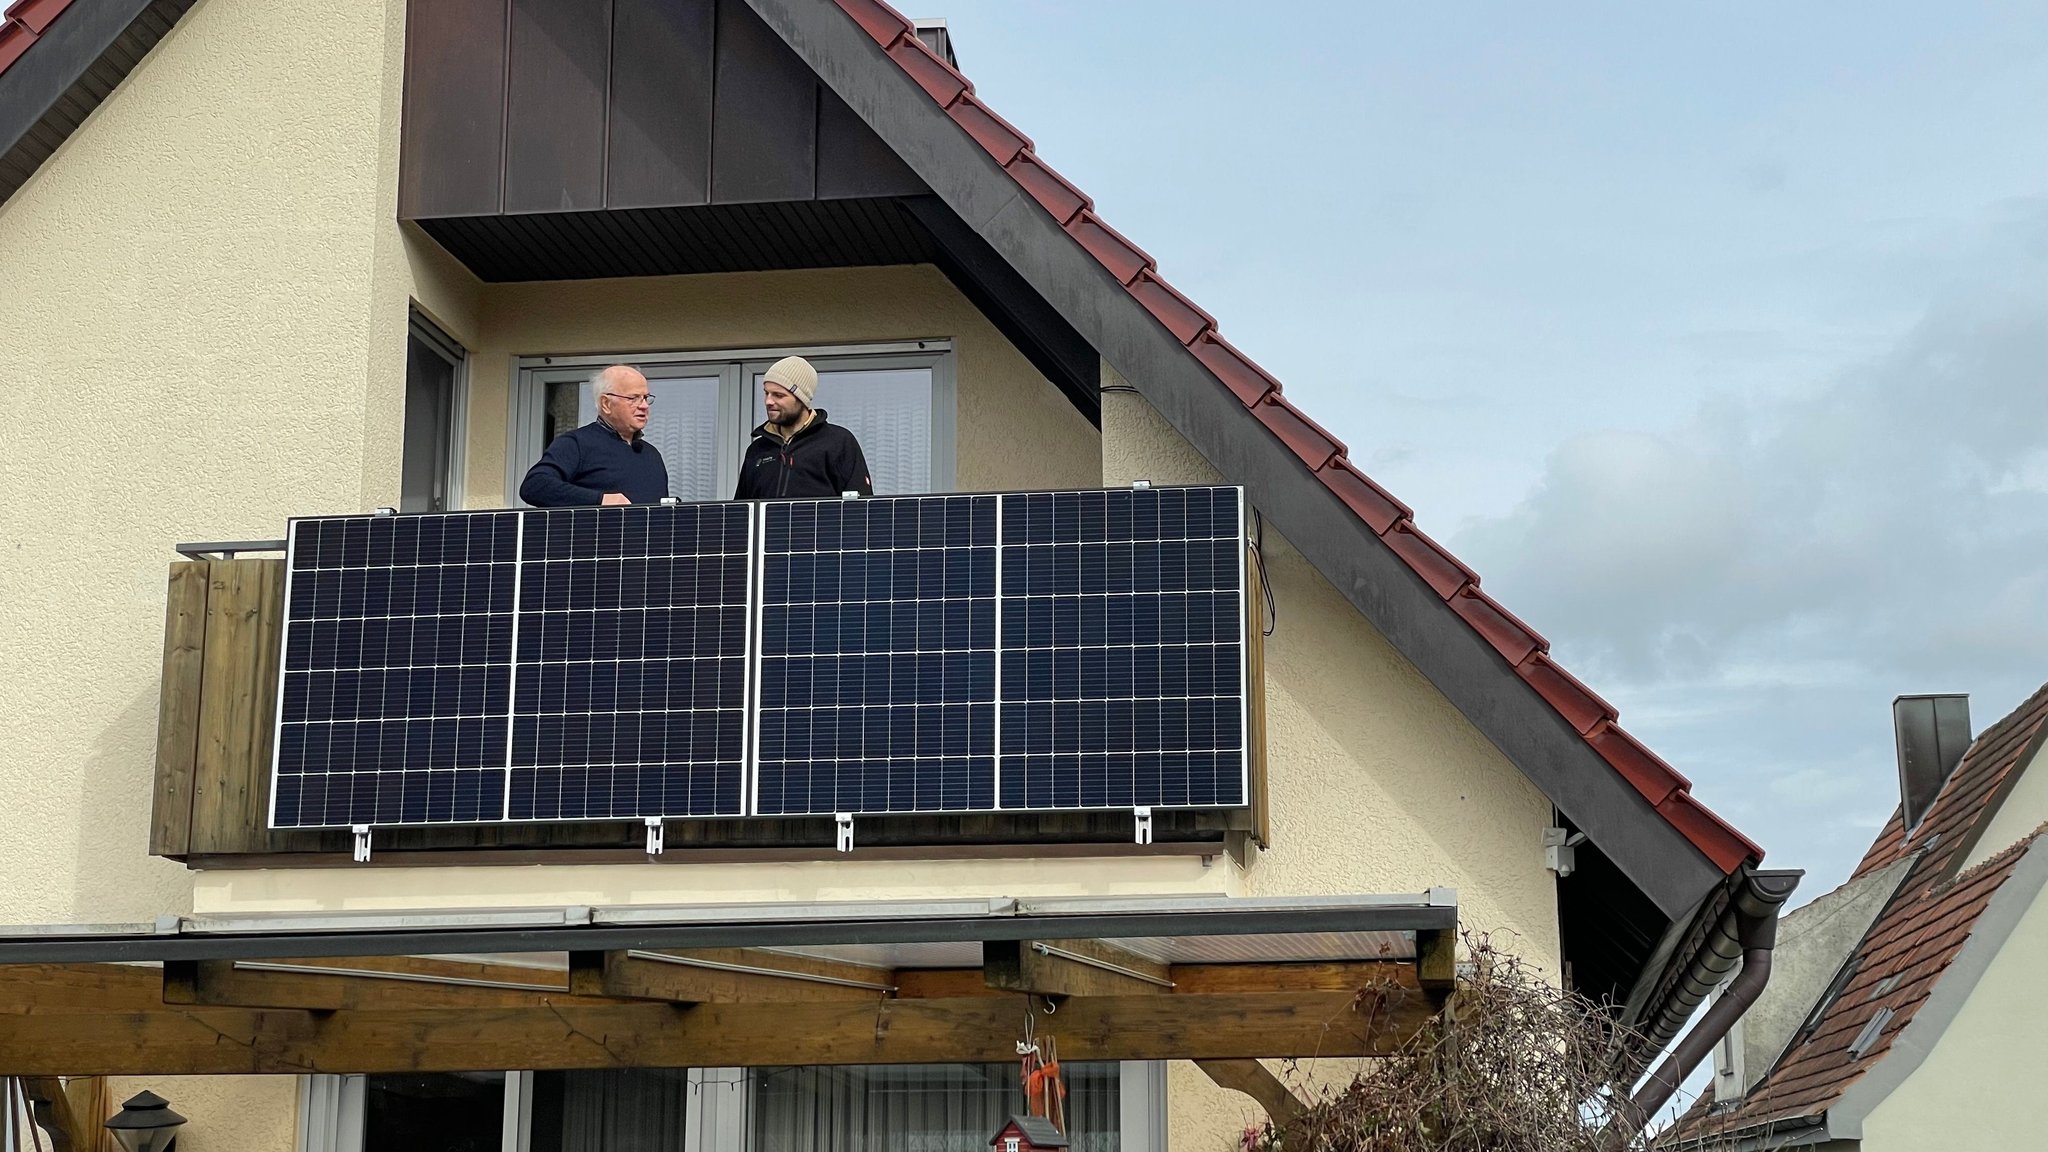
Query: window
(451, 1112)
(431, 467)
(897, 399)
(941, 1107)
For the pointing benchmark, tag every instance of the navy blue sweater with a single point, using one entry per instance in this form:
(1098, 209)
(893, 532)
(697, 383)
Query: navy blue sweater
(584, 464)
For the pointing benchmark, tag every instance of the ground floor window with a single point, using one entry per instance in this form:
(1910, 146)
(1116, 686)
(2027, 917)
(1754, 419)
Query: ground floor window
(861, 1108)
(898, 399)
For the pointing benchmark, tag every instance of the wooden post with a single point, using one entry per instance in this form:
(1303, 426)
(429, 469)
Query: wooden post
(237, 708)
(177, 722)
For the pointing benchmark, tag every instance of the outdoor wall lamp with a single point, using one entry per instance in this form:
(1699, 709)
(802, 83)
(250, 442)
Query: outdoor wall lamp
(146, 1123)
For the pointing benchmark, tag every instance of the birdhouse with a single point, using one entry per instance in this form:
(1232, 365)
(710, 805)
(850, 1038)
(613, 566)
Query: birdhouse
(1027, 1134)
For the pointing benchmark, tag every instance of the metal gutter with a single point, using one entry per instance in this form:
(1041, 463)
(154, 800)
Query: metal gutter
(577, 929)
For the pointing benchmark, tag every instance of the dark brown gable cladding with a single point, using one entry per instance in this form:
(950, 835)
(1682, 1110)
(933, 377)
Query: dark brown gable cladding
(1517, 652)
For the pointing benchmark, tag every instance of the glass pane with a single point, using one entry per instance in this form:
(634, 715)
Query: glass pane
(919, 1107)
(453, 1112)
(890, 411)
(682, 423)
(635, 1110)
(429, 402)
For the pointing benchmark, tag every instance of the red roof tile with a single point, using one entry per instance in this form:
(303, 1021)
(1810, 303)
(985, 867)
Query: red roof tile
(1521, 648)
(23, 24)
(1913, 941)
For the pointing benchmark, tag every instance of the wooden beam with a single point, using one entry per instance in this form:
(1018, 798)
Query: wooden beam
(197, 1040)
(177, 716)
(1258, 1082)
(1306, 976)
(1436, 960)
(328, 985)
(64, 1111)
(738, 976)
(1071, 968)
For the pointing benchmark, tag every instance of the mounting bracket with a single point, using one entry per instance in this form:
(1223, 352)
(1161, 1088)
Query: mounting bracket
(362, 853)
(1144, 824)
(844, 822)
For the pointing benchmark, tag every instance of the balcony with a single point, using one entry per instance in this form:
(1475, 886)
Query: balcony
(219, 718)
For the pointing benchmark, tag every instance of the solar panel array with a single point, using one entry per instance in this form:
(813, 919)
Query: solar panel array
(905, 654)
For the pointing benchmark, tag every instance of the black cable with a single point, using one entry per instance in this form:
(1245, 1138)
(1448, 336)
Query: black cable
(1259, 559)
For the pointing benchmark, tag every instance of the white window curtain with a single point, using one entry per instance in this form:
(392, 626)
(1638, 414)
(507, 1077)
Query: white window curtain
(919, 1107)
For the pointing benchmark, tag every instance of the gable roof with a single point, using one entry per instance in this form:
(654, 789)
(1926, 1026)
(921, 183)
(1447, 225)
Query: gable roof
(1037, 1129)
(1521, 651)
(1901, 961)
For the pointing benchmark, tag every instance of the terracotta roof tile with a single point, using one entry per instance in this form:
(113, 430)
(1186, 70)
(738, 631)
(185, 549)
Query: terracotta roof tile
(940, 80)
(996, 135)
(880, 21)
(1581, 707)
(1049, 188)
(1514, 640)
(1911, 944)
(1443, 571)
(1123, 258)
(1323, 454)
(1367, 500)
(37, 14)
(22, 24)
(1170, 308)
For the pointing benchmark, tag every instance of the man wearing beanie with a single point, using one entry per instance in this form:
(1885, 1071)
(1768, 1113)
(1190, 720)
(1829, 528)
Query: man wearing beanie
(797, 454)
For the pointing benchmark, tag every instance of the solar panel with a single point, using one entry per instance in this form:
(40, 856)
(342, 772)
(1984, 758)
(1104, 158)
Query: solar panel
(1027, 651)
(538, 665)
(630, 682)
(1123, 649)
(878, 656)
(397, 670)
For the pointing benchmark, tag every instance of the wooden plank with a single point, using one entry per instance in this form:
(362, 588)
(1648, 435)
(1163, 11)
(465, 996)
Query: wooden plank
(238, 705)
(1258, 1082)
(556, 75)
(1255, 689)
(764, 119)
(739, 975)
(451, 139)
(942, 983)
(177, 714)
(1071, 968)
(1310, 976)
(195, 1041)
(329, 985)
(1436, 960)
(660, 123)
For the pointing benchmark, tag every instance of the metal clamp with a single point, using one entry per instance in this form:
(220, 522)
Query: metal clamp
(844, 821)
(1144, 822)
(849, 495)
(654, 835)
(385, 512)
(1140, 485)
(671, 501)
(362, 832)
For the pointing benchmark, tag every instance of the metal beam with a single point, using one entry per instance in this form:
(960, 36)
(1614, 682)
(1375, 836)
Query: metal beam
(736, 976)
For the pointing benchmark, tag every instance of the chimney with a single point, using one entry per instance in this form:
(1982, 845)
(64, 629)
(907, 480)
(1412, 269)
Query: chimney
(1932, 733)
(937, 37)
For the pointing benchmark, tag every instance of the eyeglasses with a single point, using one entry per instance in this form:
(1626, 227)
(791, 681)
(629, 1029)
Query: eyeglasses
(631, 401)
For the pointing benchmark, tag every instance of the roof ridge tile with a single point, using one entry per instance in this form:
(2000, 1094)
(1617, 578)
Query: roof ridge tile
(1054, 192)
(997, 136)
(885, 24)
(1167, 305)
(1110, 247)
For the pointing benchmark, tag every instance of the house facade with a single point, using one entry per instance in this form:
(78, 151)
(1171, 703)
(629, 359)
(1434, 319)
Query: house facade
(266, 261)
(1906, 1008)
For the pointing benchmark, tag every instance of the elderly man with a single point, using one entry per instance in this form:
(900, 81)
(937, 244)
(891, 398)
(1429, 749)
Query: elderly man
(797, 454)
(607, 461)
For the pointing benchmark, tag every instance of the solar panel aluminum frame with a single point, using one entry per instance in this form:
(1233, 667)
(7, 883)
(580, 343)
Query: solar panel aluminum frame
(1243, 641)
(523, 515)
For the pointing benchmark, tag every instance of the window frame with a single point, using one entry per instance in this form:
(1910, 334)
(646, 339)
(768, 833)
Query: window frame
(419, 326)
(531, 376)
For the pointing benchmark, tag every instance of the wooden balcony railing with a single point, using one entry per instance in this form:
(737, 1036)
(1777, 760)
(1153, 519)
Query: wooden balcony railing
(217, 718)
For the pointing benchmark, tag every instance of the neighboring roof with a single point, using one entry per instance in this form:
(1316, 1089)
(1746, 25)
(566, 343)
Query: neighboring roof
(1914, 942)
(1525, 653)
(1036, 1129)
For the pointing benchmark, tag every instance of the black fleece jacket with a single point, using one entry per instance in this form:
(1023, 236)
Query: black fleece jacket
(585, 463)
(819, 462)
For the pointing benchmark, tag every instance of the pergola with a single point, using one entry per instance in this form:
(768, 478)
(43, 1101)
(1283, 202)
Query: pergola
(1221, 981)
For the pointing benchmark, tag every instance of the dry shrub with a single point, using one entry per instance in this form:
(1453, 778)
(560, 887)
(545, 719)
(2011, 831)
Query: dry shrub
(1512, 1064)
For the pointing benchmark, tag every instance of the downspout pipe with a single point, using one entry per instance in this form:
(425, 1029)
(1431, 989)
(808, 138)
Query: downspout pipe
(1756, 929)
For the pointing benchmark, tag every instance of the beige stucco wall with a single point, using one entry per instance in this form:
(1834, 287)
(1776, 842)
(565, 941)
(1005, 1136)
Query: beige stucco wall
(1980, 1087)
(1377, 783)
(224, 1113)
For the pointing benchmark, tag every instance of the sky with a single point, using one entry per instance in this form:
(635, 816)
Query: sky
(1715, 337)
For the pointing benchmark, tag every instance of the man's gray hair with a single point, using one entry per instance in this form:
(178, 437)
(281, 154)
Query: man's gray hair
(598, 382)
